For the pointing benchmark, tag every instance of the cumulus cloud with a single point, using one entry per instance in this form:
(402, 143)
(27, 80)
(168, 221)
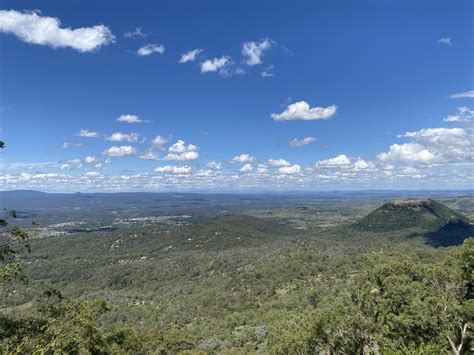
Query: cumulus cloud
(278, 162)
(339, 161)
(302, 111)
(190, 56)
(88, 134)
(42, 30)
(385, 175)
(120, 151)
(247, 168)
(447, 144)
(254, 51)
(149, 155)
(295, 142)
(90, 159)
(129, 119)
(242, 158)
(149, 49)
(159, 141)
(437, 134)
(216, 65)
(445, 40)
(123, 137)
(181, 151)
(465, 114)
(465, 94)
(437, 145)
(408, 152)
(290, 170)
(173, 169)
(262, 169)
(361, 164)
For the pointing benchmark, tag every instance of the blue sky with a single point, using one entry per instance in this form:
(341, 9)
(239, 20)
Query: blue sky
(380, 91)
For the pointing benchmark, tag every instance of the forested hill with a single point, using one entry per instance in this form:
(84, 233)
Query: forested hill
(402, 214)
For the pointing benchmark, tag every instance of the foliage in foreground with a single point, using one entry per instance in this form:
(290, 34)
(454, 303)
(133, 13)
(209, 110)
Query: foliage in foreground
(397, 304)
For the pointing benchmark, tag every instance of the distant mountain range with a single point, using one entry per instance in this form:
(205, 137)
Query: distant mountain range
(35, 199)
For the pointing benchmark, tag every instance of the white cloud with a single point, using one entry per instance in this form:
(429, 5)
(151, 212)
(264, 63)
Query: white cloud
(437, 145)
(445, 40)
(239, 71)
(410, 170)
(295, 142)
(159, 141)
(262, 169)
(448, 144)
(436, 134)
(242, 158)
(92, 174)
(129, 119)
(302, 111)
(174, 169)
(38, 176)
(120, 151)
(90, 159)
(149, 49)
(123, 137)
(216, 64)
(181, 151)
(190, 56)
(339, 161)
(278, 162)
(408, 152)
(42, 30)
(136, 33)
(67, 145)
(149, 155)
(87, 134)
(74, 161)
(290, 170)
(361, 164)
(214, 165)
(383, 176)
(267, 72)
(254, 51)
(65, 167)
(465, 94)
(247, 168)
(465, 114)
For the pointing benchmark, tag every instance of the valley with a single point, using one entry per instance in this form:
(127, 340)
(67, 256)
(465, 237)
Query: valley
(246, 273)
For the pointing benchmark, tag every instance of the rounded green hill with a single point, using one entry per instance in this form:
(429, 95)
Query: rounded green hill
(414, 213)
